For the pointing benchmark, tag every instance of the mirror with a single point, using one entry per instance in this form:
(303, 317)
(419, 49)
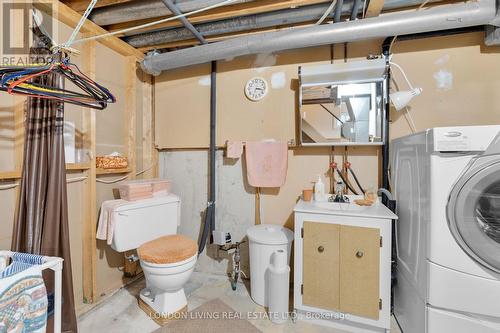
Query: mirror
(341, 105)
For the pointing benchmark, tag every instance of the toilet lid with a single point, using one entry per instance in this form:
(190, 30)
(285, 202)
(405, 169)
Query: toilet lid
(168, 249)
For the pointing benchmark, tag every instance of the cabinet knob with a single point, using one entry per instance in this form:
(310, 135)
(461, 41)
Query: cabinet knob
(359, 254)
(321, 249)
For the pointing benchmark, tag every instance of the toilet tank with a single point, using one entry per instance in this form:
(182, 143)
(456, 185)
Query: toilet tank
(138, 222)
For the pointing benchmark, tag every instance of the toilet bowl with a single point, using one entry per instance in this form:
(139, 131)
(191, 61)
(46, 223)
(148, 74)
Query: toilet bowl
(167, 259)
(167, 263)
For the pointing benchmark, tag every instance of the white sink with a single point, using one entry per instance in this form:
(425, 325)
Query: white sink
(340, 206)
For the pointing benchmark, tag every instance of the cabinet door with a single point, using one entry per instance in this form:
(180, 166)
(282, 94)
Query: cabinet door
(321, 265)
(360, 271)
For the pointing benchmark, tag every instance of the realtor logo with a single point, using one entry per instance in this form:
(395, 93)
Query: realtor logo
(17, 22)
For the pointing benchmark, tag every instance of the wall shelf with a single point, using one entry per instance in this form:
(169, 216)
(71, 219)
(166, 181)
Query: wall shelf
(78, 166)
(100, 171)
(6, 175)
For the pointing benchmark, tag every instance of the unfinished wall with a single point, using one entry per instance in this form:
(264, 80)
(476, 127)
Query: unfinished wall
(112, 135)
(182, 114)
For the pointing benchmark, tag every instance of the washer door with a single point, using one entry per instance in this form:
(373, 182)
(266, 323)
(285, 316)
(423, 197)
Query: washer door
(474, 212)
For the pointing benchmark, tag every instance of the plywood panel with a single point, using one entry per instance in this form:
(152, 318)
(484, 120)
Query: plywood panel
(8, 117)
(321, 265)
(360, 271)
(466, 64)
(183, 100)
(75, 219)
(182, 108)
(304, 166)
(7, 204)
(110, 72)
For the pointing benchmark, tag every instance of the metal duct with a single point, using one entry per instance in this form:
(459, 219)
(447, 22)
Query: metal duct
(408, 22)
(242, 23)
(251, 22)
(139, 10)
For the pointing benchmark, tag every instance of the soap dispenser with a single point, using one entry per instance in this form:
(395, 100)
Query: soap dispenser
(319, 190)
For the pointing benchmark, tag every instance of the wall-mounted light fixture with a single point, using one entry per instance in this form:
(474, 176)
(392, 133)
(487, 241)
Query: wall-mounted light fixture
(401, 99)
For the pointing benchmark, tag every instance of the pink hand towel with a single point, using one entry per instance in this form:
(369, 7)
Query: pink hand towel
(234, 149)
(106, 223)
(267, 163)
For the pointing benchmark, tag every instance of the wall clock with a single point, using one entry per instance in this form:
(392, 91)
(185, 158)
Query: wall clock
(256, 89)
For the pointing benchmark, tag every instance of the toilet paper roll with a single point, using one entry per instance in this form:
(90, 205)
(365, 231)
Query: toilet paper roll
(279, 259)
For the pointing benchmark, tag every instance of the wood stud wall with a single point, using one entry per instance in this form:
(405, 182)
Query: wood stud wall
(90, 210)
(89, 250)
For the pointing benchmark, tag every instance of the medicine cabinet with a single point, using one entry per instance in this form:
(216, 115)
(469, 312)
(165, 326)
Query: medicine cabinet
(342, 104)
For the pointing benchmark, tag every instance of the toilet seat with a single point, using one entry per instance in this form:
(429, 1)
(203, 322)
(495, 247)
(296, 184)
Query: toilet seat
(168, 250)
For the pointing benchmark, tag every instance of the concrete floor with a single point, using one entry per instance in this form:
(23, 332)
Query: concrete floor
(120, 312)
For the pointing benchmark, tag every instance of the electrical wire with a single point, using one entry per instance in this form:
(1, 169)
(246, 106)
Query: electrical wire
(364, 8)
(348, 167)
(409, 120)
(76, 179)
(145, 170)
(327, 12)
(8, 187)
(125, 177)
(402, 72)
(407, 113)
(345, 181)
(112, 181)
(147, 25)
(80, 24)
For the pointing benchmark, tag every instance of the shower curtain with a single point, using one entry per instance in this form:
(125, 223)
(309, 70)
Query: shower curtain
(41, 225)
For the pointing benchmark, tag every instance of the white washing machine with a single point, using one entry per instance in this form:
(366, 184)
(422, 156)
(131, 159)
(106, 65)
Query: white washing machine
(447, 185)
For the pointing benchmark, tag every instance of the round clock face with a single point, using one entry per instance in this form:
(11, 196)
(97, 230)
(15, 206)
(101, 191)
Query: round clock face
(256, 89)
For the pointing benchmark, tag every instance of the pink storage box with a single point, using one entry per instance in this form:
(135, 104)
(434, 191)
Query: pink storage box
(144, 189)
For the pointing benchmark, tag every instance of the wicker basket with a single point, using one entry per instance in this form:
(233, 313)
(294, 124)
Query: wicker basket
(111, 162)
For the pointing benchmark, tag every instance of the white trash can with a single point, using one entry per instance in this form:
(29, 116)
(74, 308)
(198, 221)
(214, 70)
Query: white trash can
(264, 239)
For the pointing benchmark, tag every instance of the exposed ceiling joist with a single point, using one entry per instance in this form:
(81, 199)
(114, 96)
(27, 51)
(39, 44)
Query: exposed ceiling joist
(71, 18)
(81, 5)
(149, 9)
(374, 8)
(221, 13)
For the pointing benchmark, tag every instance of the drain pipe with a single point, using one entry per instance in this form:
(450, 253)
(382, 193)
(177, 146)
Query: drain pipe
(213, 124)
(386, 125)
(338, 11)
(443, 17)
(209, 223)
(355, 9)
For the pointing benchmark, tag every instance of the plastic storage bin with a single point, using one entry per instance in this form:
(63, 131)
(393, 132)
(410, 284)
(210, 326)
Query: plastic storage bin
(263, 240)
(144, 189)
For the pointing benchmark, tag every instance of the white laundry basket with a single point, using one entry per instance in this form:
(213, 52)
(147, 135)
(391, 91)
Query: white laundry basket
(263, 240)
(53, 263)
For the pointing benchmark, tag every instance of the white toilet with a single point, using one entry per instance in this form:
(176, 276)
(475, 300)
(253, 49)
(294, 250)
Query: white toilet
(167, 259)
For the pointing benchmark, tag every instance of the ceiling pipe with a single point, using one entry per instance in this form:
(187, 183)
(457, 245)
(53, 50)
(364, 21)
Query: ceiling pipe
(355, 9)
(146, 9)
(237, 24)
(443, 17)
(338, 10)
(173, 8)
(250, 22)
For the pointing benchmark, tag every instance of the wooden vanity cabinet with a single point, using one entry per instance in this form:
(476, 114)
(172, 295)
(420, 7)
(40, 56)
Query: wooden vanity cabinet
(343, 268)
